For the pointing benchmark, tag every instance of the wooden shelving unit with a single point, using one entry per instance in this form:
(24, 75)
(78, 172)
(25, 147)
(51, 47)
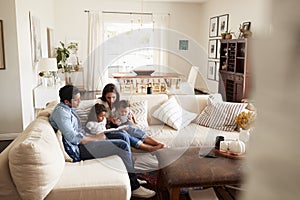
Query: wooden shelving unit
(234, 70)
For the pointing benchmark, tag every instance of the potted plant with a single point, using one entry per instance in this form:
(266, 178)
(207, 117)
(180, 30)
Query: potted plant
(226, 35)
(62, 54)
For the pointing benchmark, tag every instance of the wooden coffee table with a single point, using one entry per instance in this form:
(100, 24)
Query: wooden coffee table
(191, 170)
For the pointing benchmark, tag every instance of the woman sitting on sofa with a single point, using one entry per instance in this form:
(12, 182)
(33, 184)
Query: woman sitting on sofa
(82, 146)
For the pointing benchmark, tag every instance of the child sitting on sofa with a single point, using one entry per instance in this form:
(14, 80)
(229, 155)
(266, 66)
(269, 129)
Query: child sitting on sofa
(96, 123)
(126, 118)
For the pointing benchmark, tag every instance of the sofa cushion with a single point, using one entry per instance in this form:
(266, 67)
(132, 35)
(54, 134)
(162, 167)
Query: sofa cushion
(220, 115)
(173, 115)
(105, 178)
(154, 102)
(36, 162)
(139, 110)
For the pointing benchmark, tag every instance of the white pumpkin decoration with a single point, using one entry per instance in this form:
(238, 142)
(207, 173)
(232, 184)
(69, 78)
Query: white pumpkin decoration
(237, 147)
(224, 145)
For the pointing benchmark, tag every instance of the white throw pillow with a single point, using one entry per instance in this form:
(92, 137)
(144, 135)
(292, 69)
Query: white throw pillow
(36, 161)
(220, 115)
(139, 110)
(172, 114)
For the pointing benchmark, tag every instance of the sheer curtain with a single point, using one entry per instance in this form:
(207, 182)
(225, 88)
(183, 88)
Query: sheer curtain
(96, 73)
(98, 58)
(161, 26)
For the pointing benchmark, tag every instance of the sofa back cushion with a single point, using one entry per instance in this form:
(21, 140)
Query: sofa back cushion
(192, 103)
(36, 161)
(154, 102)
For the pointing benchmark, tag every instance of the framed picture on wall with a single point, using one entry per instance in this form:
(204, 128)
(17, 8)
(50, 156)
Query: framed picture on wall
(212, 49)
(211, 70)
(218, 48)
(217, 71)
(50, 43)
(223, 24)
(213, 27)
(35, 32)
(2, 55)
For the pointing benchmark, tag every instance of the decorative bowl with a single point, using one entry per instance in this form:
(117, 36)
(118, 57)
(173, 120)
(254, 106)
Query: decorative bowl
(143, 72)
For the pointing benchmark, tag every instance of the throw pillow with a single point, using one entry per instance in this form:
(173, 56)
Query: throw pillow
(35, 161)
(62, 148)
(172, 114)
(220, 115)
(139, 110)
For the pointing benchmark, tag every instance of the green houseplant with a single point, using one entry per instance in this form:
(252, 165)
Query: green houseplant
(62, 54)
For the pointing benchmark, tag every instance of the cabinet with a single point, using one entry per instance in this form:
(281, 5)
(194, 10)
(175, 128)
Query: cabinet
(234, 70)
(43, 95)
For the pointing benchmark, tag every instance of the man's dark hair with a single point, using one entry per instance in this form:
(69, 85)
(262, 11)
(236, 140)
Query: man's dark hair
(68, 92)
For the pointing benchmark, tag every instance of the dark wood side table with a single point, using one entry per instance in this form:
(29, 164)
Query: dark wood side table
(191, 170)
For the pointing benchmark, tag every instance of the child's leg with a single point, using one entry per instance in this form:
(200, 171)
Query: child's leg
(150, 148)
(150, 140)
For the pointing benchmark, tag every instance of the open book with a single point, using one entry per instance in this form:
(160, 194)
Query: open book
(124, 127)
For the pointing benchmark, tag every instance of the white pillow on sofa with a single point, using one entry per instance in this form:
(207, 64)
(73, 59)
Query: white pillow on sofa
(139, 110)
(220, 115)
(36, 161)
(172, 114)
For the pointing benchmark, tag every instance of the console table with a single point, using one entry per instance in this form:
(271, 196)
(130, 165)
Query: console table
(191, 170)
(161, 82)
(43, 94)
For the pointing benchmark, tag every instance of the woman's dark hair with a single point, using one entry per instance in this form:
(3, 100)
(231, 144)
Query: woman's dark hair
(95, 110)
(68, 92)
(123, 104)
(110, 88)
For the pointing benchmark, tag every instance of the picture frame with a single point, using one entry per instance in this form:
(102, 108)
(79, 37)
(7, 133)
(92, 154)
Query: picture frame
(213, 27)
(35, 35)
(246, 26)
(2, 55)
(217, 71)
(218, 49)
(211, 70)
(50, 43)
(223, 24)
(183, 45)
(212, 48)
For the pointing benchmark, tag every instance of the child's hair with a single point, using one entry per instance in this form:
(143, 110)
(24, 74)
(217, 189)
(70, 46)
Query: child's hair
(123, 104)
(95, 110)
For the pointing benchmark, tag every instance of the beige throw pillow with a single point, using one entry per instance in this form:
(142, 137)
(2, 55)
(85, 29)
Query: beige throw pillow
(36, 162)
(172, 114)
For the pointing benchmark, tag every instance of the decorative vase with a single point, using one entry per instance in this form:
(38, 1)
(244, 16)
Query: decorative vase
(244, 136)
(68, 78)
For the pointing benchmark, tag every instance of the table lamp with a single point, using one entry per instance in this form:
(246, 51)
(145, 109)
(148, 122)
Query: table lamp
(47, 65)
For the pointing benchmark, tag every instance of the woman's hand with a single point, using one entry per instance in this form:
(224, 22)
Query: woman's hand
(116, 121)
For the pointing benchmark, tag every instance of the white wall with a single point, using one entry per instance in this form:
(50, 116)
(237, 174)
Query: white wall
(19, 78)
(10, 106)
(255, 11)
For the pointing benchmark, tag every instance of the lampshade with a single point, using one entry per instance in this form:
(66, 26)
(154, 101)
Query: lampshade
(47, 64)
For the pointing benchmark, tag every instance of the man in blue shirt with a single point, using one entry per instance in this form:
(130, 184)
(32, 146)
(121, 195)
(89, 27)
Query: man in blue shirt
(83, 146)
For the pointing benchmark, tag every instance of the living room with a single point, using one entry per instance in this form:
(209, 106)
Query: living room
(50, 13)
(20, 78)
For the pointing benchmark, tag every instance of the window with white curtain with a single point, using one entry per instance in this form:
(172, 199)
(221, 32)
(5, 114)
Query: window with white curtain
(127, 61)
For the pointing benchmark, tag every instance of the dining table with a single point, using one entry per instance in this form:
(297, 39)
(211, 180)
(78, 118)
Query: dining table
(159, 82)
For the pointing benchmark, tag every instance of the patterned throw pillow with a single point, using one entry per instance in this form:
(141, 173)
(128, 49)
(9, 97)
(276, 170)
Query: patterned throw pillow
(172, 114)
(220, 115)
(139, 110)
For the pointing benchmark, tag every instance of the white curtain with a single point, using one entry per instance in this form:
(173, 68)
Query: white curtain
(96, 74)
(161, 29)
